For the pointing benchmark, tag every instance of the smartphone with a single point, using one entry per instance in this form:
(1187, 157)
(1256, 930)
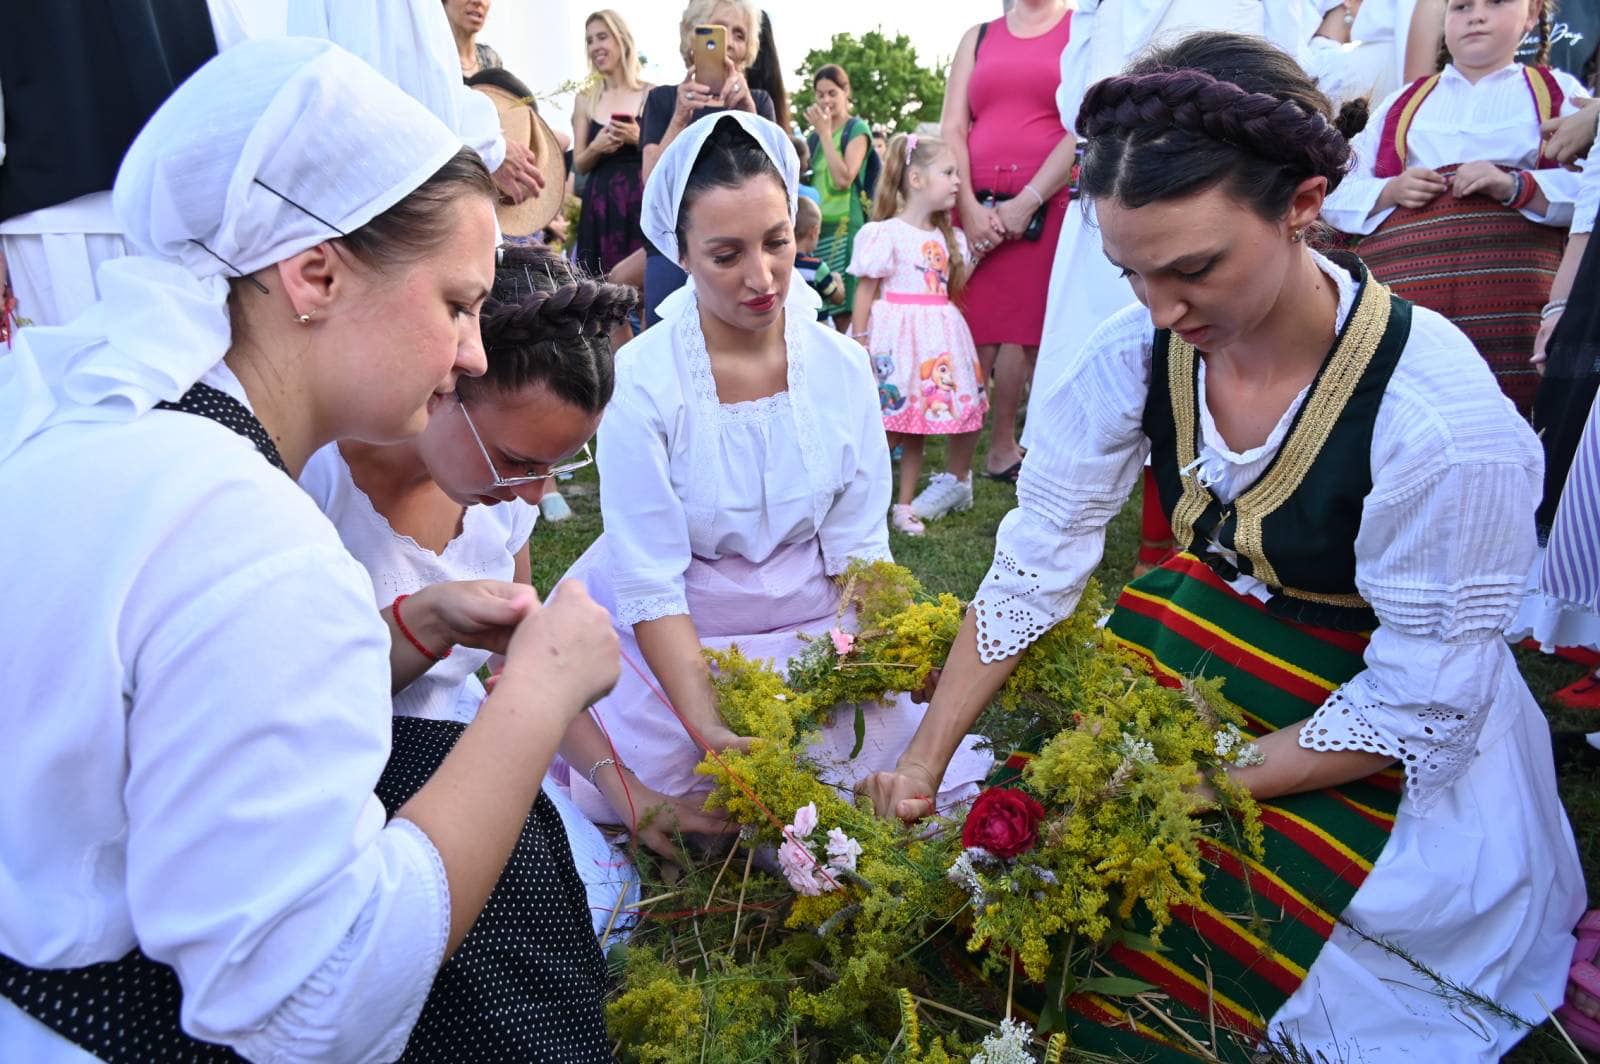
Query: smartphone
(710, 56)
(622, 116)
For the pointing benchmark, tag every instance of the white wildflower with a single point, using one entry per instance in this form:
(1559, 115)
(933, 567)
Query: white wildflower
(1227, 739)
(964, 874)
(1250, 754)
(1138, 749)
(1008, 1045)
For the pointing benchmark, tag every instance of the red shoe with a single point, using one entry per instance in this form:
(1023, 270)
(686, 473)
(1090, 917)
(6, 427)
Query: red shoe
(1589, 659)
(1585, 694)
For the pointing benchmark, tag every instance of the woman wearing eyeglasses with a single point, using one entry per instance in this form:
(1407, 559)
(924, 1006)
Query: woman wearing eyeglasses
(439, 517)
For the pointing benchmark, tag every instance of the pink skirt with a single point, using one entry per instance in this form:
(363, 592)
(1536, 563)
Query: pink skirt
(763, 609)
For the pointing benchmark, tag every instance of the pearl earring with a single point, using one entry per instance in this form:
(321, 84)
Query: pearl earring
(303, 319)
(1298, 235)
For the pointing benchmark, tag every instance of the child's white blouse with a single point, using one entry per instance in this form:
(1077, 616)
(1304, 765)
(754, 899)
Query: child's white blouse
(684, 475)
(1494, 121)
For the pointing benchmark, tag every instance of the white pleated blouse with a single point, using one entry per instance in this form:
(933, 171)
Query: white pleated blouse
(1460, 122)
(683, 474)
(196, 713)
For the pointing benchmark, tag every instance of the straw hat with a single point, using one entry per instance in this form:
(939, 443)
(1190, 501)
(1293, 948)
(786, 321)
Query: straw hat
(522, 124)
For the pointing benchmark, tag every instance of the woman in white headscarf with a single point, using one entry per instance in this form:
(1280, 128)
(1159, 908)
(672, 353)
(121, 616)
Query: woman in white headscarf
(193, 847)
(742, 465)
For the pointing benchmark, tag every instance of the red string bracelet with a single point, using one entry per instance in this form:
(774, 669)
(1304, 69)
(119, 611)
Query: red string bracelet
(412, 639)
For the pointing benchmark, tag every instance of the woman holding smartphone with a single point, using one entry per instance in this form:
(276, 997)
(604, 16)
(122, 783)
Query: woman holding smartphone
(734, 26)
(605, 131)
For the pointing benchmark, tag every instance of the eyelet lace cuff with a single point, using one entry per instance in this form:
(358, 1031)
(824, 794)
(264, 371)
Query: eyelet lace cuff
(1434, 744)
(1007, 609)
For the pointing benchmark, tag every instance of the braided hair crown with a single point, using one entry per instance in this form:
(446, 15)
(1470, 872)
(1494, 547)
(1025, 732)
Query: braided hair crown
(1209, 108)
(546, 322)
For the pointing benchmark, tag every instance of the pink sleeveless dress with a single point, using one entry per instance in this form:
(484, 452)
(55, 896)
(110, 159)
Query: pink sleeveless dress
(1015, 125)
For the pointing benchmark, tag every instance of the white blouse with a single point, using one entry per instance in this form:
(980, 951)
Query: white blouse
(197, 711)
(399, 565)
(1583, 214)
(683, 474)
(1460, 122)
(1442, 555)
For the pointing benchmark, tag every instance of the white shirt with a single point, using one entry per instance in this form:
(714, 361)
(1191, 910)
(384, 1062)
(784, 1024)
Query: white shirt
(682, 474)
(197, 712)
(1460, 122)
(1445, 542)
(399, 565)
(1583, 213)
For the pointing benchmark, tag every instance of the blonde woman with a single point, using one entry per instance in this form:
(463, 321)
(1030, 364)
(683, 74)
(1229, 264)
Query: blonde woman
(670, 109)
(605, 145)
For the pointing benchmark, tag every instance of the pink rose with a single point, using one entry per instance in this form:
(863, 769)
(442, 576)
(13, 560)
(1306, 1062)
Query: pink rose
(843, 642)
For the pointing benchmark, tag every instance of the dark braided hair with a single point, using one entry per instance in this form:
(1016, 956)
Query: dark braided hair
(1541, 56)
(546, 323)
(1209, 109)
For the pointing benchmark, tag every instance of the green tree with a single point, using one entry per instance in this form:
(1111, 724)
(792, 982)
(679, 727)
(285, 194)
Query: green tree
(889, 87)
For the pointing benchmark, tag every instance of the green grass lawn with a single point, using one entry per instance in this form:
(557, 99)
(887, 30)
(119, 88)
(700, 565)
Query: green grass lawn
(955, 554)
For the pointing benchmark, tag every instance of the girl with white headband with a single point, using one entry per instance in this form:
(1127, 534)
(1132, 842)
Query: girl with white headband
(743, 464)
(198, 708)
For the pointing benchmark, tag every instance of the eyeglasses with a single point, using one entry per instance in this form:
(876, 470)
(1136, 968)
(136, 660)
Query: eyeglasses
(586, 458)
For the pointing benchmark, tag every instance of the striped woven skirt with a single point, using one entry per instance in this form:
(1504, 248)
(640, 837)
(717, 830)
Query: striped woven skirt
(1225, 967)
(1485, 267)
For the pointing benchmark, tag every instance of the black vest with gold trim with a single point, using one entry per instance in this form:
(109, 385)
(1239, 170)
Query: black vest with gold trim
(1295, 528)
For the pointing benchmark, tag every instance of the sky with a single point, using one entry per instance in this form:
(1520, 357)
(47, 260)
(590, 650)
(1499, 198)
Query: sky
(541, 41)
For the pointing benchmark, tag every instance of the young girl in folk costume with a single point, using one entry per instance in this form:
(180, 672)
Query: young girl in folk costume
(922, 352)
(1461, 210)
(1352, 495)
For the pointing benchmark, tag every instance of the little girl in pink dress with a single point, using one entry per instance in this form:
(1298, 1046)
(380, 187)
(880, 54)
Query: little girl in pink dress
(911, 262)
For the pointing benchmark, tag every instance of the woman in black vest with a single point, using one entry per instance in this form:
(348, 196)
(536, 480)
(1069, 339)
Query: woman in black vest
(1355, 502)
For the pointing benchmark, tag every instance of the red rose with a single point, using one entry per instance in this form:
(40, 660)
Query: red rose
(1004, 822)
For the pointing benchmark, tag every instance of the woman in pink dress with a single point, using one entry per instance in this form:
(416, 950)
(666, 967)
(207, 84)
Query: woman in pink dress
(1015, 160)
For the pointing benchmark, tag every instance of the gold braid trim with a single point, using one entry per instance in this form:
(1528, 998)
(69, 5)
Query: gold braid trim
(1348, 601)
(1362, 335)
(1180, 385)
(1369, 320)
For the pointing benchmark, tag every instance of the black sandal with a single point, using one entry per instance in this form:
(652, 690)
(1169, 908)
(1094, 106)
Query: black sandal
(1006, 476)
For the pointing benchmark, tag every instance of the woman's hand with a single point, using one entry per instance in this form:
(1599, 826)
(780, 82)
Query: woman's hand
(1015, 214)
(983, 226)
(660, 819)
(471, 613)
(519, 176)
(906, 793)
(567, 651)
(736, 95)
(623, 133)
(1568, 138)
(1417, 187)
(692, 96)
(1547, 328)
(1482, 179)
(821, 120)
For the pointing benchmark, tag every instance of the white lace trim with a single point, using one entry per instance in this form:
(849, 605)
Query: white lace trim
(1445, 742)
(635, 611)
(754, 411)
(1008, 620)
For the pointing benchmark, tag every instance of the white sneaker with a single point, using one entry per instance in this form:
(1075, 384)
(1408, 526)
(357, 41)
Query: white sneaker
(902, 520)
(554, 508)
(944, 494)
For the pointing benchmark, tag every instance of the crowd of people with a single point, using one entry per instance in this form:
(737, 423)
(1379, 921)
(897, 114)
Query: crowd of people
(301, 767)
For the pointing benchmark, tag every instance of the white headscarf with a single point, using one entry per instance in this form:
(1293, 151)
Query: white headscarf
(299, 116)
(663, 196)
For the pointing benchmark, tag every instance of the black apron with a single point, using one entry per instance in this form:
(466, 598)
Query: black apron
(1571, 378)
(526, 983)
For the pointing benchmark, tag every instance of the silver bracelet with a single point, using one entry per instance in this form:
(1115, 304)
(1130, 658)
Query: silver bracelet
(598, 765)
(1029, 188)
(1552, 308)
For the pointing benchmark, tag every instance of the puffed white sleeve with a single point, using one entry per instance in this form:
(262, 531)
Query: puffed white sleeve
(856, 526)
(1074, 481)
(1562, 188)
(303, 925)
(1349, 208)
(1446, 543)
(872, 253)
(646, 524)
